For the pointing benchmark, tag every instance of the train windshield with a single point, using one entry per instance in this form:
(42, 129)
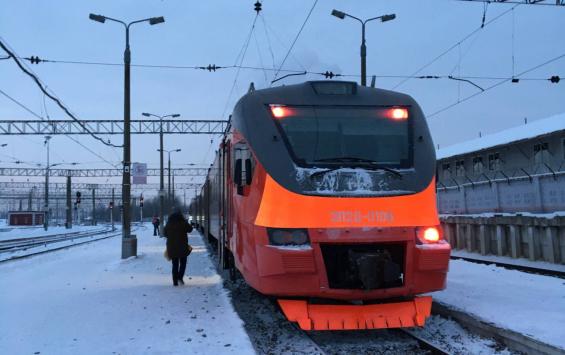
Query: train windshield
(346, 136)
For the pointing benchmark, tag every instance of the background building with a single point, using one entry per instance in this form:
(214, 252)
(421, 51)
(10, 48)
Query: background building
(521, 169)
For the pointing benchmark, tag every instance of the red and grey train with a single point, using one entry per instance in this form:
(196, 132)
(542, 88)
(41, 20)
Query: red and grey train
(322, 194)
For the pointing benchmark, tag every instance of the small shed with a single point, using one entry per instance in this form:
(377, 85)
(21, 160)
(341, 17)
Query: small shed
(26, 218)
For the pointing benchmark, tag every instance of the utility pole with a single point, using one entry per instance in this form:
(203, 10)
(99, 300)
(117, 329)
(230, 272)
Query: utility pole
(141, 209)
(112, 211)
(169, 187)
(69, 210)
(129, 241)
(162, 173)
(30, 198)
(46, 209)
(173, 193)
(161, 183)
(93, 206)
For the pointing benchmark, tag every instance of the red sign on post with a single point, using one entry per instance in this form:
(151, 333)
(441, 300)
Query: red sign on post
(139, 173)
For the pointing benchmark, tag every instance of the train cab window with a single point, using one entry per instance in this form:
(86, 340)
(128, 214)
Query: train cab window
(354, 135)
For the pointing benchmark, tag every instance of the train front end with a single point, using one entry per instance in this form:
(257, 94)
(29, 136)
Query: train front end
(339, 220)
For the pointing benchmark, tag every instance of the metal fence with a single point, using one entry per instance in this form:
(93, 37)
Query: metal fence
(540, 193)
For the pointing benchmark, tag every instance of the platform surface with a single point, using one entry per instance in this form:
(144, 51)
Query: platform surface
(85, 300)
(523, 302)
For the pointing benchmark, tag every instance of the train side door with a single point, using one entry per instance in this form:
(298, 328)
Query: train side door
(226, 231)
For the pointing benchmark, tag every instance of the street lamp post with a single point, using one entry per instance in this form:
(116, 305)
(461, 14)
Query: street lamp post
(129, 241)
(161, 174)
(383, 18)
(46, 213)
(169, 173)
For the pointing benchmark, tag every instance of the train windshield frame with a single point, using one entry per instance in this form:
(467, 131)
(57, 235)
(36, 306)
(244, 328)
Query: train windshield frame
(346, 136)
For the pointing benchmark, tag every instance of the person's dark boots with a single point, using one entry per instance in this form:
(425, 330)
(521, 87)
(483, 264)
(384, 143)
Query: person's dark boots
(181, 281)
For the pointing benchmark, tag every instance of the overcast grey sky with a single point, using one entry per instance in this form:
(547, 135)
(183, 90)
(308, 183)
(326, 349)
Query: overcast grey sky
(213, 32)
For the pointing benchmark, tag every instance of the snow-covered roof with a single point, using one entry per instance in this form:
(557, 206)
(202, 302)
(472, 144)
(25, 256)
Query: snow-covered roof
(526, 131)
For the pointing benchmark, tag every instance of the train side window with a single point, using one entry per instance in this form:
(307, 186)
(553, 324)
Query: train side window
(243, 166)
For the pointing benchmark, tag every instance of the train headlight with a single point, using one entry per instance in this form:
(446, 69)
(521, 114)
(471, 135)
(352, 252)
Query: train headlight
(428, 235)
(288, 236)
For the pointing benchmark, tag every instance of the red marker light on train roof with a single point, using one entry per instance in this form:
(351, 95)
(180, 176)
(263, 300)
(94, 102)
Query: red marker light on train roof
(398, 113)
(279, 111)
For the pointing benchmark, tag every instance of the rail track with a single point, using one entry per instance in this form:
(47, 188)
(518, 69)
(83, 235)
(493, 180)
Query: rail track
(14, 249)
(511, 266)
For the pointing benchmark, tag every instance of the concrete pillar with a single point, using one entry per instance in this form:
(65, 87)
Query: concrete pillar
(463, 200)
(469, 237)
(459, 240)
(552, 245)
(483, 239)
(532, 247)
(536, 188)
(496, 194)
(515, 251)
(500, 240)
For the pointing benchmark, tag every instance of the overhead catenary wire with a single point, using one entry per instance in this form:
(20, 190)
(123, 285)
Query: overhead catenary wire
(43, 119)
(522, 2)
(502, 81)
(52, 97)
(241, 58)
(295, 39)
(466, 37)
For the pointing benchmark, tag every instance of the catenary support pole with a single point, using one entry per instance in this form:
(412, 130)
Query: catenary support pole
(69, 209)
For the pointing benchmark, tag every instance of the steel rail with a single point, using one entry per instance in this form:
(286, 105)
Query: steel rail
(523, 268)
(513, 340)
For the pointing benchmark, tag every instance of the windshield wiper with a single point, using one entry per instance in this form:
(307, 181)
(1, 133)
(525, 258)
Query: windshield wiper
(370, 165)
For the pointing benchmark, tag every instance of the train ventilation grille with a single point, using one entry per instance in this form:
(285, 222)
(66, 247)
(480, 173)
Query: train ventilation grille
(298, 263)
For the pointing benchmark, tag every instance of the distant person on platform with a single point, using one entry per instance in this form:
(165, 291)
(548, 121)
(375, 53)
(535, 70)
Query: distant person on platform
(156, 223)
(176, 232)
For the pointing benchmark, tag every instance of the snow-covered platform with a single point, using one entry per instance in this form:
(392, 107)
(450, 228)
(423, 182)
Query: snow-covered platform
(526, 303)
(85, 300)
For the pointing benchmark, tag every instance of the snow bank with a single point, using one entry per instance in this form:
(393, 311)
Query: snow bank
(12, 232)
(526, 303)
(86, 300)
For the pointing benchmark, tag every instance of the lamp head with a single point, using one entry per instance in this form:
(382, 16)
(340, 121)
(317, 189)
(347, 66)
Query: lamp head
(338, 14)
(97, 18)
(175, 115)
(386, 18)
(146, 114)
(156, 20)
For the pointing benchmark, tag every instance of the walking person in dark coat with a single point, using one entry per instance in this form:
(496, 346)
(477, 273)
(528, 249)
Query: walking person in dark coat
(156, 222)
(178, 249)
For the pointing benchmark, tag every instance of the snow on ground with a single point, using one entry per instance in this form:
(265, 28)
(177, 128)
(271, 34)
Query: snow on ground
(85, 300)
(526, 303)
(12, 232)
